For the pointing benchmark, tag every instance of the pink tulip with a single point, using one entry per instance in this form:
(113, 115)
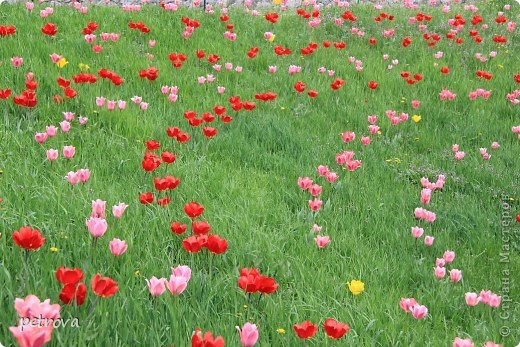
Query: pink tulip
(425, 196)
(316, 228)
(65, 126)
(151, 43)
(156, 286)
(210, 78)
(492, 344)
(72, 178)
(55, 57)
(372, 119)
(428, 240)
(165, 90)
(83, 175)
(419, 311)
(40, 137)
(98, 208)
(176, 285)
(365, 140)
(17, 61)
(29, 6)
(472, 299)
(51, 130)
(449, 256)
(417, 232)
(238, 69)
(221, 89)
(248, 334)
(494, 300)
(440, 272)
(182, 271)
(315, 204)
(373, 129)
(440, 262)
(52, 154)
(331, 177)
(407, 304)
(272, 69)
(118, 210)
(97, 226)
(304, 183)
(118, 247)
(32, 335)
(144, 106)
(69, 151)
(217, 67)
(455, 275)
(100, 101)
(322, 241)
(495, 145)
(82, 120)
(111, 105)
(315, 190)
(485, 296)
(322, 170)
(228, 66)
(173, 97)
(68, 116)
(121, 104)
(458, 342)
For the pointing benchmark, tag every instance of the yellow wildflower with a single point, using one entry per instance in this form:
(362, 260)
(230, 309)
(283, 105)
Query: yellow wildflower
(271, 39)
(280, 331)
(416, 118)
(54, 249)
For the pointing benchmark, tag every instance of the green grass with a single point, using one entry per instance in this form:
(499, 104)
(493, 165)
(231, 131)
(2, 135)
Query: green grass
(246, 179)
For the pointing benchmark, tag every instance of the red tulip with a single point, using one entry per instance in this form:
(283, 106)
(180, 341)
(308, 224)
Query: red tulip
(372, 85)
(445, 70)
(335, 329)
(326, 44)
(49, 29)
(208, 117)
(219, 110)
(69, 276)
(178, 228)
(197, 340)
(70, 93)
(168, 157)
(173, 131)
(194, 244)
(71, 292)
(306, 330)
(146, 198)
(209, 131)
(104, 286)
(28, 238)
(164, 201)
(216, 244)
(299, 86)
(312, 93)
(372, 41)
(200, 227)
(5, 93)
(200, 54)
(193, 209)
(152, 145)
(249, 105)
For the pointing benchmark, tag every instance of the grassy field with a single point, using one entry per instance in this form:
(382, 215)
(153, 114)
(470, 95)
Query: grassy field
(246, 176)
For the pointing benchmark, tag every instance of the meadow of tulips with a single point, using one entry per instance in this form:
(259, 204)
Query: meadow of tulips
(341, 175)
